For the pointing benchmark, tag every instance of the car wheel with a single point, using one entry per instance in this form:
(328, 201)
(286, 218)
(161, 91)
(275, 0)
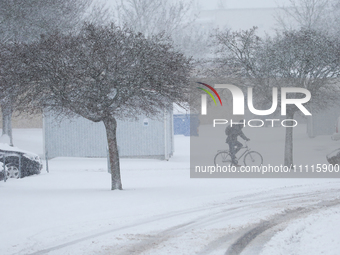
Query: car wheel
(12, 171)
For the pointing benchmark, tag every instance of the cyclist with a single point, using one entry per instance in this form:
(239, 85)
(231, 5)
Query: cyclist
(234, 146)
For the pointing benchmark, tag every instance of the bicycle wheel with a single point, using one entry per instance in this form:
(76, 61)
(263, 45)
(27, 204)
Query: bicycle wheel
(253, 158)
(223, 159)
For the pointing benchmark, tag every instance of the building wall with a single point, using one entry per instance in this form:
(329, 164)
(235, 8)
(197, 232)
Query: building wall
(79, 137)
(25, 121)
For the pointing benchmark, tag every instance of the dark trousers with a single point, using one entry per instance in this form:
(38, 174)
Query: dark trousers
(234, 147)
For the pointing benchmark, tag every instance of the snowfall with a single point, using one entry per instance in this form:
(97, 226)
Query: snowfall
(161, 210)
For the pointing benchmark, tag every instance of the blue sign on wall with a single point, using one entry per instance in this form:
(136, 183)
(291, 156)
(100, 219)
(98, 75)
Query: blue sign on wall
(182, 124)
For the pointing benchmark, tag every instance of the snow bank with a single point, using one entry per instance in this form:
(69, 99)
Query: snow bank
(314, 235)
(6, 147)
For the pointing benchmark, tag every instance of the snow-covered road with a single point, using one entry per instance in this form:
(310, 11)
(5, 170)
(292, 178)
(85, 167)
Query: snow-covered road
(162, 211)
(242, 224)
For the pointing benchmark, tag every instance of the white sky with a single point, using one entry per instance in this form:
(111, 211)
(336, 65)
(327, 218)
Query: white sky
(231, 4)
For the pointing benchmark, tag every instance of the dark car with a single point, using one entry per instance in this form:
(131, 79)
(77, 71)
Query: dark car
(18, 163)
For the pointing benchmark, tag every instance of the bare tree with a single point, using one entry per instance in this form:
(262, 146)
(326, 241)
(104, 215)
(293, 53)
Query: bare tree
(104, 74)
(10, 74)
(99, 14)
(174, 18)
(25, 21)
(304, 59)
(307, 14)
(193, 41)
(154, 16)
(221, 4)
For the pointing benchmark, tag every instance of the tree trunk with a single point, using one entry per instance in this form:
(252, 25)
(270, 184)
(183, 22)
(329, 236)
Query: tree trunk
(288, 160)
(7, 110)
(111, 127)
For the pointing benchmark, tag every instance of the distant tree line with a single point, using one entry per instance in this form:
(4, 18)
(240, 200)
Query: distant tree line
(304, 53)
(89, 66)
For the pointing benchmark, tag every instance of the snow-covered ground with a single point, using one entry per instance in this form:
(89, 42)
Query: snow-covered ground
(318, 233)
(161, 210)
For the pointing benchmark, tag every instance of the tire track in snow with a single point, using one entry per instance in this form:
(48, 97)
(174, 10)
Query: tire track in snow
(153, 241)
(245, 239)
(225, 212)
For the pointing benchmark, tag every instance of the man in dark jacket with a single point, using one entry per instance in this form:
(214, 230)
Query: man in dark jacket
(234, 146)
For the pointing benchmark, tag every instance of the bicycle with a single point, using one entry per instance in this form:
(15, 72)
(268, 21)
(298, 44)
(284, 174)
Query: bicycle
(251, 158)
